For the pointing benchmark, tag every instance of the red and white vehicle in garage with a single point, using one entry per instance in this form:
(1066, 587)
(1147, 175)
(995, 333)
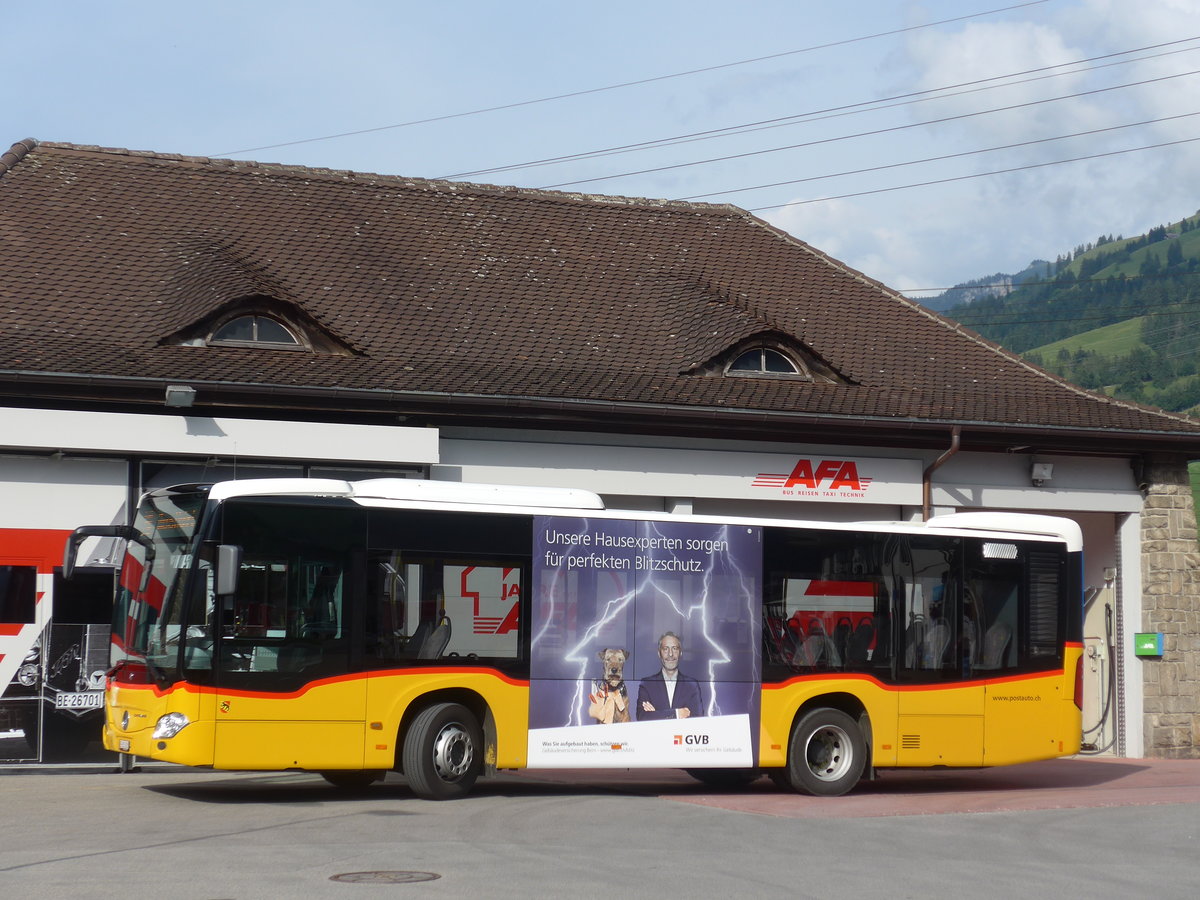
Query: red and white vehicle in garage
(54, 634)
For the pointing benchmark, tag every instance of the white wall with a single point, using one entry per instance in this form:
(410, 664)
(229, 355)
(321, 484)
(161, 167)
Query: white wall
(723, 470)
(205, 436)
(60, 493)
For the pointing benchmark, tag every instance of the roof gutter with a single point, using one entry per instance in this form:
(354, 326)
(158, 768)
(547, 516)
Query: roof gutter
(410, 401)
(927, 475)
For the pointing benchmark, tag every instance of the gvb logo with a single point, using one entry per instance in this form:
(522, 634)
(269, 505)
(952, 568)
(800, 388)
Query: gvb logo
(691, 739)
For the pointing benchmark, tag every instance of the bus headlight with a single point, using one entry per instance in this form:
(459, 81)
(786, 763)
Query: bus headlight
(170, 725)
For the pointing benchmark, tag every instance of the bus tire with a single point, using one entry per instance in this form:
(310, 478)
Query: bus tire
(725, 778)
(443, 752)
(352, 780)
(827, 754)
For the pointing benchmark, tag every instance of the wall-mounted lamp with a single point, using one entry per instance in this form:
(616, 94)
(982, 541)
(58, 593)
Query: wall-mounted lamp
(1040, 473)
(180, 395)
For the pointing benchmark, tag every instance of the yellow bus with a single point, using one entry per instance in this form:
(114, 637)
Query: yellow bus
(446, 631)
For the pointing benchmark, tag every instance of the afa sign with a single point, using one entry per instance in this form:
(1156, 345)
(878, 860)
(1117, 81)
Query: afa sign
(836, 479)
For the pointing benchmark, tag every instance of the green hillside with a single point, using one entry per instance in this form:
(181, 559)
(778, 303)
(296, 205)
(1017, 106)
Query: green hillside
(1118, 339)
(1121, 315)
(1129, 257)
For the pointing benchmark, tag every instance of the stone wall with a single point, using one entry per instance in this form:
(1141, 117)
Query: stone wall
(1171, 605)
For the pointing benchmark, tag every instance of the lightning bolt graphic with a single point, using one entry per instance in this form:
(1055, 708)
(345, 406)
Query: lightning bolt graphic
(721, 576)
(725, 560)
(580, 654)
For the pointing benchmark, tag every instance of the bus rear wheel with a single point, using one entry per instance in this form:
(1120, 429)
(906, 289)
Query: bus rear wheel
(443, 752)
(827, 754)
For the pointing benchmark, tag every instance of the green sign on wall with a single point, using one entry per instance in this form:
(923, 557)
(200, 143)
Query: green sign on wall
(1148, 644)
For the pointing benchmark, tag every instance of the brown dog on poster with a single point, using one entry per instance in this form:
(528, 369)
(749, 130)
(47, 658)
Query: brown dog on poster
(609, 697)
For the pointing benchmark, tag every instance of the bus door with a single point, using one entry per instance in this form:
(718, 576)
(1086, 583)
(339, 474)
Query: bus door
(285, 691)
(941, 710)
(1022, 631)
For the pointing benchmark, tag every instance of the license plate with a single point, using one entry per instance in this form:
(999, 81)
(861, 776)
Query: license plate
(79, 700)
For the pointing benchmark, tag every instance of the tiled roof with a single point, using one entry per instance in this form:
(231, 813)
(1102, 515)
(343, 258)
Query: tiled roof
(461, 289)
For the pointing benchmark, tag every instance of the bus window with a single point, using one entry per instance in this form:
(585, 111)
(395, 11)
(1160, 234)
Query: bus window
(1045, 574)
(285, 609)
(423, 608)
(827, 605)
(446, 586)
(994, 584)
(1017, 591)
(290, 612)
(18, 594)
(931, 608)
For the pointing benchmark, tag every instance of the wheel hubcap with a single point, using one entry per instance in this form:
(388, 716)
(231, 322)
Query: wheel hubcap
(829, 753)
(453, 752)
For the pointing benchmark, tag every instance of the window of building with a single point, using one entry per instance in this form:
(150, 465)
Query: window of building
(763, 361)
(255, 330)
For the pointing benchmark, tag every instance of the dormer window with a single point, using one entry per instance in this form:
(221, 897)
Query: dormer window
(259, 322)
(255, 331)
(762, 361)
(771, 356)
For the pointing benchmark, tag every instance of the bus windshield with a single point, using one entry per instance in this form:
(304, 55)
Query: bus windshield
(148, 610)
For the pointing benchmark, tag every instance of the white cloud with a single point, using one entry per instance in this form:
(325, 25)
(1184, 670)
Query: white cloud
(969, 228)
(974, 56)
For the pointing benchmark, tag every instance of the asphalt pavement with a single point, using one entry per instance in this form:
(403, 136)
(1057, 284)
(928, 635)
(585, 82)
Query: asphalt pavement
(1077, 827)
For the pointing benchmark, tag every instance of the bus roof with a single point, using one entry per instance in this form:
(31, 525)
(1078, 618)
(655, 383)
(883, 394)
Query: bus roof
(412, 489)
(529, 500)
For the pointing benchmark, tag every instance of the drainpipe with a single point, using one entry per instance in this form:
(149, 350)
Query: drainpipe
(927, 476)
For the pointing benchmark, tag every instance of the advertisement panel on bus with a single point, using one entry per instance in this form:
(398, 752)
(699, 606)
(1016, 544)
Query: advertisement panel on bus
(645, 644)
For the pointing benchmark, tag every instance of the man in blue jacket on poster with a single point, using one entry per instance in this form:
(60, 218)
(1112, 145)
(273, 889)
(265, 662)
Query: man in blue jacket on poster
(669, 694)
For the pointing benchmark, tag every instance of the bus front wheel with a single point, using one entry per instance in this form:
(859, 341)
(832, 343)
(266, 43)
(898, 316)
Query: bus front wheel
(827, 754)
(443, 752)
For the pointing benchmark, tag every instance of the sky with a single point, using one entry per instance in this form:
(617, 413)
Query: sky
(921, 143)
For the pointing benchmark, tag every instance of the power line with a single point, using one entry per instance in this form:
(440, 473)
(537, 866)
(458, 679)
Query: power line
(929, 159)
(872, 133)
(1096, 279)
(1125, 280)
(864, 106)
(1127, 311)
(903, 187)
(1115, 313)
(1041, 283)
(1168, 332)
(635, 83)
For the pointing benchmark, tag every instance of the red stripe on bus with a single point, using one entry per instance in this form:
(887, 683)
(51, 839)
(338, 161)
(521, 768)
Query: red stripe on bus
(10, 630)
(932, 686)
(336, 679)
(840, 589)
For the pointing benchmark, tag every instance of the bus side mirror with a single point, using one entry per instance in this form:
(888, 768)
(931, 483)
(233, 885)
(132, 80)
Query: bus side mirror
(81, 534)
(229, 566)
